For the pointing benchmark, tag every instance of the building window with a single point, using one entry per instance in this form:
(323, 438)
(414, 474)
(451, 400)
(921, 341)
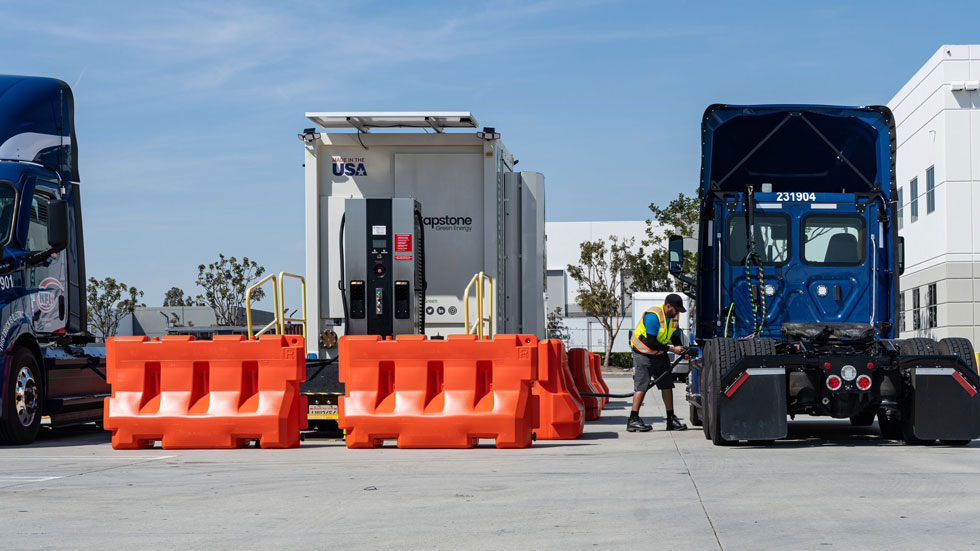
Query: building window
(901, 210)
(914, 199)
(916, 320)
(901, 312)
(931, 307)
(930, 189)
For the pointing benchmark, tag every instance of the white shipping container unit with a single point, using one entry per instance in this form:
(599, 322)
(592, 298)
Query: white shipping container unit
(478, 214)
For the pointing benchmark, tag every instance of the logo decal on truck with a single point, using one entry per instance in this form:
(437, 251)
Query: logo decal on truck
(49, 290)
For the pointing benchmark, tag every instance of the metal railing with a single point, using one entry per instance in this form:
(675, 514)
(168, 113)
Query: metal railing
(480, 298)
(278, 322)
(282, 290)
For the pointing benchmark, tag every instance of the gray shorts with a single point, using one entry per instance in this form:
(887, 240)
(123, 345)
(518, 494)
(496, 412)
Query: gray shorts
(647, 367)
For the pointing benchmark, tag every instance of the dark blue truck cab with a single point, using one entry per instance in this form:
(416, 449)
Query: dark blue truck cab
(47, 366)
(797, 283)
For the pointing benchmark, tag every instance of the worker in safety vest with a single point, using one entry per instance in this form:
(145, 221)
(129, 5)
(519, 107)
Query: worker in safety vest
(653, 337)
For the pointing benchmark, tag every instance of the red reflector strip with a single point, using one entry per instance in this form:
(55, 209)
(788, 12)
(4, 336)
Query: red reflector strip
(738, 382)
(963, 383)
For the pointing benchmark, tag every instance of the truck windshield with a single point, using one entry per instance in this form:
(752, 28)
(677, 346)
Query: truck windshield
(771, 238)
(8, 198)
(833, 239)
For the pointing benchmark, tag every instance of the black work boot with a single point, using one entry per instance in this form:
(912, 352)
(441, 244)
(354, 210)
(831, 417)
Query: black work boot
(673, 423)
(636, 424)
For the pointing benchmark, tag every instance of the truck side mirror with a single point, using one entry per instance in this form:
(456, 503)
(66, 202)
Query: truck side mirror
(57, 224)
(675, 255)
(901, 255)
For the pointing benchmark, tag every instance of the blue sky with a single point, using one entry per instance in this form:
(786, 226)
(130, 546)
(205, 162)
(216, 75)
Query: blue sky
(187, 112)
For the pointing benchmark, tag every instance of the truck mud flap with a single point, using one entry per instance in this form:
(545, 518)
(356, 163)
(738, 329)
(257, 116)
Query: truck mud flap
(752, 402)
(944, 401)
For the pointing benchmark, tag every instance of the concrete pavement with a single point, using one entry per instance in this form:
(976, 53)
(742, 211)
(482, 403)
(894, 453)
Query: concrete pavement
(828, 486)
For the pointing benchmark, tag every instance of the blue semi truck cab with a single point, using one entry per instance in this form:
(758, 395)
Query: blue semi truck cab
(797, 283)
(48, 367)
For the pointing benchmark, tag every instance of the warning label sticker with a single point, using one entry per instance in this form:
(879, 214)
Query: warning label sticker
(403, 257)
(403, 243)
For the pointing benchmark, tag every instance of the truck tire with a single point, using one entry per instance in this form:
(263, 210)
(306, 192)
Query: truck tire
(958, 346)
(22, 399)
(728, 352)
(919, 346)
(908, 434)
(891, 428)
(692, 414)
(758, 347)
(707, 358)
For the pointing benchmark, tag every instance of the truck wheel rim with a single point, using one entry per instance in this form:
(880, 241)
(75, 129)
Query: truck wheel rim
(25, 397)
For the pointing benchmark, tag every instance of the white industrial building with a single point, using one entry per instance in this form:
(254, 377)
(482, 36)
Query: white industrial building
(563, 240)
(937, 117)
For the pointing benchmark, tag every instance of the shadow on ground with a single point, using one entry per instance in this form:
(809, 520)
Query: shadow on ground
(833, 433)
(76, 435)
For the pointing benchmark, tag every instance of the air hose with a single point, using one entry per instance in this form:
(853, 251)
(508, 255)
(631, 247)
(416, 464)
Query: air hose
(757, 321)
(687, 351)
(728, 318)
(342, 284)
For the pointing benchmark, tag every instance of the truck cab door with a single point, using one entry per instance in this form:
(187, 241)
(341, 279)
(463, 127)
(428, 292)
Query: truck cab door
(45, 281)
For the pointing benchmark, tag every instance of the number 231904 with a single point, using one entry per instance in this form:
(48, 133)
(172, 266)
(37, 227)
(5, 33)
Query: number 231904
(796, 196)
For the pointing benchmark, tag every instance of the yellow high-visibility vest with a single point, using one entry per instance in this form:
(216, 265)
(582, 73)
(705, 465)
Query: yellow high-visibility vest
(667, 328)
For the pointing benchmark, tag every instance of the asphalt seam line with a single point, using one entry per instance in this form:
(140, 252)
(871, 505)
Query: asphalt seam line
(91, 471)
(698, 492)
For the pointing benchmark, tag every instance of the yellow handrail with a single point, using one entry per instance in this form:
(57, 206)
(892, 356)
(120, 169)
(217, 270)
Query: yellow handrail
(279, 319)
(302, 284)
(478, 326)
(275, 299)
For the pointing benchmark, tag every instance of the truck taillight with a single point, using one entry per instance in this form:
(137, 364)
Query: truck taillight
(833, 382)
(863, 382)
(871, 365)
(826, 365)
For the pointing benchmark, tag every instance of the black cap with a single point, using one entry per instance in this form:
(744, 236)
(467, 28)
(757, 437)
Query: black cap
(676, 301)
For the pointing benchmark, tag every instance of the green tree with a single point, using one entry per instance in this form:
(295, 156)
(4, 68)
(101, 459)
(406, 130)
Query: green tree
(679, 217)
(606, 283)
(176, 297)
(109, 301)
(556, 326)
(224, 283)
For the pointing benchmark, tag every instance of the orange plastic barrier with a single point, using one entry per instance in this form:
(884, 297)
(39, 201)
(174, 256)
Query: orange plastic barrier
(557, 413)
(205, 394)
(437, 393)
(580, 365)
(597, 381)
